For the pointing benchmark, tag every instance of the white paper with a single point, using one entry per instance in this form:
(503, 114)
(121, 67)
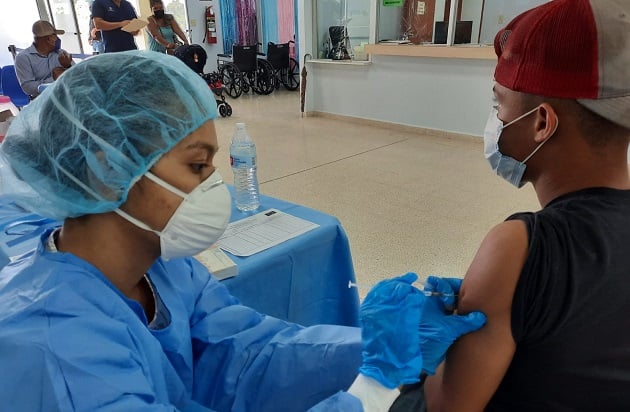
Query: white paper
(134, 25)
(261, 231)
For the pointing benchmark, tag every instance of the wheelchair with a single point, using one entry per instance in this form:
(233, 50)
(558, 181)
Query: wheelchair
(244, 70)
(286, 69)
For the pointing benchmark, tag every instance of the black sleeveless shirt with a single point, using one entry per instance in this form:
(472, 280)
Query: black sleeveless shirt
(571, 308)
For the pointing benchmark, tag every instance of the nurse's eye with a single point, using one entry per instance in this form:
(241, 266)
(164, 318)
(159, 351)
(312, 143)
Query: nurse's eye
(198, 167)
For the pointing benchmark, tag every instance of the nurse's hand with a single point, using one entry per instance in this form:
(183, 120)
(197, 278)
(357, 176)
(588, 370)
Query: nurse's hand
(438, 327)
(389, 317)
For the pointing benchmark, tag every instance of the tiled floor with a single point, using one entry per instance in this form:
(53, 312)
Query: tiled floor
(408, 201)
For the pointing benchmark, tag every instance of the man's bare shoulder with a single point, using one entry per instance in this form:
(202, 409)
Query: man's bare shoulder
(491, 279)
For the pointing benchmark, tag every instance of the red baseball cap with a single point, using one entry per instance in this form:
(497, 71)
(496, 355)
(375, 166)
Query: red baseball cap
(573, 49)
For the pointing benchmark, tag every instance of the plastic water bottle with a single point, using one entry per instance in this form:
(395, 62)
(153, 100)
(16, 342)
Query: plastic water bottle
(243, 161)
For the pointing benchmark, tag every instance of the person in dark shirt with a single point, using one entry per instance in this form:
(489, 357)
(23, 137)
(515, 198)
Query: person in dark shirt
(110, 16)
(554, 284)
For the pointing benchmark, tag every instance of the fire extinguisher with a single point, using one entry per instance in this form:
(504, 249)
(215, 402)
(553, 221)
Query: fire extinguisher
(211, 26)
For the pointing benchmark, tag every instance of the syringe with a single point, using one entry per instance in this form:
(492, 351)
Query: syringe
(421, 285)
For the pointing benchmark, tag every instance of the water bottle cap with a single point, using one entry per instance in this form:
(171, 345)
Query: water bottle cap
(5, 99)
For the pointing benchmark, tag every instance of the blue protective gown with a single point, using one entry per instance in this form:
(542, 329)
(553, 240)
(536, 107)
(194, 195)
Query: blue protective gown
(69, 340)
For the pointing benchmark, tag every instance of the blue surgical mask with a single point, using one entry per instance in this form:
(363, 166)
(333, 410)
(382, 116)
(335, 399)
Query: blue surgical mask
(508, 168)
(57, 44)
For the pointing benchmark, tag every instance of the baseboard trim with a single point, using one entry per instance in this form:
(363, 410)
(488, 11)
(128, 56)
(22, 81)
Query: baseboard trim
(393, 126)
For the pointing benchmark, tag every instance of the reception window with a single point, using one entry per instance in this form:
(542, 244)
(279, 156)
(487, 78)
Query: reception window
(430, 21)
(340, 27)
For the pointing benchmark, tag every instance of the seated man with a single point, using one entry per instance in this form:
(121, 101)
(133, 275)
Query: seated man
(553, 283)
(44, 61)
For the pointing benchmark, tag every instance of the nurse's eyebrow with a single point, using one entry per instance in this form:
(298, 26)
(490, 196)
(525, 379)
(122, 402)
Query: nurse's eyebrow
(211, 149)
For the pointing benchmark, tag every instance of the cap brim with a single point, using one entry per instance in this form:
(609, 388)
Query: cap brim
(59, 32)
(615, 109)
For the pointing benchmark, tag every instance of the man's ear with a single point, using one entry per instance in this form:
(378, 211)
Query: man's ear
(546, 122)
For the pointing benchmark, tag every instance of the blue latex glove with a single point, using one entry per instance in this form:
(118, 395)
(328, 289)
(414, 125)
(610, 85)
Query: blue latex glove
(438, 328)
(389, 317)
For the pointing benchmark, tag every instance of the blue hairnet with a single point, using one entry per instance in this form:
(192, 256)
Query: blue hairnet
(79, 147)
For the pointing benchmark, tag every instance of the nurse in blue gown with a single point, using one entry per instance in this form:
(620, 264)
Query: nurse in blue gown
(111, 313)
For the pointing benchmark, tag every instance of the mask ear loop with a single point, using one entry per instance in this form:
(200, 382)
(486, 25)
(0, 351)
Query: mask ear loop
(141, 224)
(520, 117)
(136, 222)
(166, 185)
(544, 141)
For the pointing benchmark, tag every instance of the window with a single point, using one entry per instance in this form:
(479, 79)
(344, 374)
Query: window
(350, 23)
(427, 22)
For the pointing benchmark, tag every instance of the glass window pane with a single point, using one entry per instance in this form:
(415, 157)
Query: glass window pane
(178, 9)
(350, 23)
(427, 21)
(389, 23)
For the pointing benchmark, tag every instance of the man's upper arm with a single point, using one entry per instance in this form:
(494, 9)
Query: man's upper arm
(477, 362)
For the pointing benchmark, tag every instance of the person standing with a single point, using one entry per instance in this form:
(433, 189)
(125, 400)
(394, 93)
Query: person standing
(110, 16)
(44, 61)
(163, 30)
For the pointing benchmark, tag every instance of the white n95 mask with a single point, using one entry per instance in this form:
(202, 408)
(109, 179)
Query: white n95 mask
(197, 223)
(508, 168)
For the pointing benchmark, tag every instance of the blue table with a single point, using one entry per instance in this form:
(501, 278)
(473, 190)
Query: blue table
(303, 280)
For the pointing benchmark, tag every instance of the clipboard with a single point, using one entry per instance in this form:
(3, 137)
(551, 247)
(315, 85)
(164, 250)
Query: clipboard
(134, 25)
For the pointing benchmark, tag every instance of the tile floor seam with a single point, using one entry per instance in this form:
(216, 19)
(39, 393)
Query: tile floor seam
(334, 161)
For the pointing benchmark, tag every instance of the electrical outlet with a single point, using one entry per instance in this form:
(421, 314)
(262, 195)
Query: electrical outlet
(501, 19)
(421, 7)
(193, 23)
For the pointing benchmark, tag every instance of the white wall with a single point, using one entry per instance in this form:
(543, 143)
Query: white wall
(498, 13)
(197, 18)
(453, 95)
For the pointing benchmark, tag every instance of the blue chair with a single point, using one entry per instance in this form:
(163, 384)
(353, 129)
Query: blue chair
(11, 87)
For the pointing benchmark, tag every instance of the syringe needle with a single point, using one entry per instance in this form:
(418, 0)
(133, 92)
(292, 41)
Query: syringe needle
(352, 284)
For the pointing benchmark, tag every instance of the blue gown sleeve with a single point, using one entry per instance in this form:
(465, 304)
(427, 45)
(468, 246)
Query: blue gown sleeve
(244, 360)
(85, 366)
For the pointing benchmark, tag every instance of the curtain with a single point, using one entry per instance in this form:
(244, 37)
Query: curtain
(279, 22)
(297, 34)
(269, 22)
(286, 21)
(229, 24)
(247, 25)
